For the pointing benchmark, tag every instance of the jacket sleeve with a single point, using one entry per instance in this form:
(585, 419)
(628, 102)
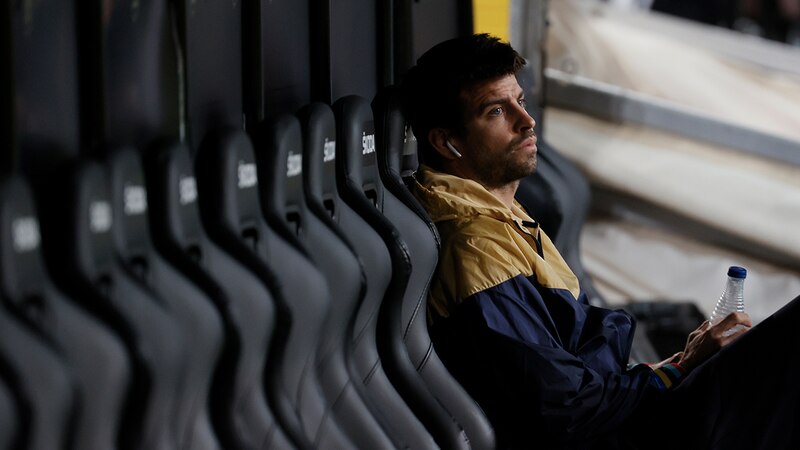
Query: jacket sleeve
(531, 358)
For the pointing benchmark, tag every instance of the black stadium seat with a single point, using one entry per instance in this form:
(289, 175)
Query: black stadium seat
(229, 194)
(322, 197)
(89, 271)
(361, 187)
(279, 156)
(91, 351)
(29, 364)
(409, 321)
(197, 318)
(239, 407)
(42, 382)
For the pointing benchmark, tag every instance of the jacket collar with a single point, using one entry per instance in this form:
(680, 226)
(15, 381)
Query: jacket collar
(447, 197)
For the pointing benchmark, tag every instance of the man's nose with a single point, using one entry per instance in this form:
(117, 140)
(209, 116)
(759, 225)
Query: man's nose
(525, 122)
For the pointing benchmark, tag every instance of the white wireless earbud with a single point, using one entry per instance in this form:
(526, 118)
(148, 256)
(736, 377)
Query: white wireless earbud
(452, 149)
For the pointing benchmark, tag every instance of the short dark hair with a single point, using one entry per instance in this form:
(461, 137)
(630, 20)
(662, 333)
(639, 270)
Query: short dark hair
(431, 89)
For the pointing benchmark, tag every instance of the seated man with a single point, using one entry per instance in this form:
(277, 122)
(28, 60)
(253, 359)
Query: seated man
(508, 316)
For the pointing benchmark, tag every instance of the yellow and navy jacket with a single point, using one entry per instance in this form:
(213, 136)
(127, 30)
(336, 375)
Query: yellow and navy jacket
(509, 320)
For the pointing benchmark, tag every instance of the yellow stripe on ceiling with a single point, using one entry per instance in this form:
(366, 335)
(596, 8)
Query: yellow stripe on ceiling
(492, 16)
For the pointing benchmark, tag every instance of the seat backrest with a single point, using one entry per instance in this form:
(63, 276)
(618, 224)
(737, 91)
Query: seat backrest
(92, 352)
(422, 239)
(240, 412)
(322, 197)
(9, 418)
(29, 363)
(84, 265)
(198, 319)
(279, 155)
(360, 185)
(574, 217)
(41, 381)
(228, 174)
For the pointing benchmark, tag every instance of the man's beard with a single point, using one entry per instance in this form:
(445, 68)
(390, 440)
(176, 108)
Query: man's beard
(501, 172)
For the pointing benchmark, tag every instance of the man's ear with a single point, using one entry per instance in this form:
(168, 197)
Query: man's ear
(438, 138)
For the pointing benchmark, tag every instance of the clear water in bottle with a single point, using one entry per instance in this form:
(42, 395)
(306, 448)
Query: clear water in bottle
(732, 298)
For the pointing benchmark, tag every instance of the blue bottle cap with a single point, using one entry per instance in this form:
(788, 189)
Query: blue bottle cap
(737, 272)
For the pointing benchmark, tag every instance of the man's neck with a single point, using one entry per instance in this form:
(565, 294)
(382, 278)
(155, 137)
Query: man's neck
(505, 193)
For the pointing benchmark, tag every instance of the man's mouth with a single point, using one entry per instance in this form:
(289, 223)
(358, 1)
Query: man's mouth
(526, 141)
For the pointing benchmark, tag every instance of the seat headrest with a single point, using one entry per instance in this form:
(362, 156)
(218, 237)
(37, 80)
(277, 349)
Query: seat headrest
(228, 178)
(280, 164)
(21, 264)
(319, 150)
(394, 130)
(356, 144)
(89, 230)
(129, 196)
(390, 125)
(409, 162)
(173, 193)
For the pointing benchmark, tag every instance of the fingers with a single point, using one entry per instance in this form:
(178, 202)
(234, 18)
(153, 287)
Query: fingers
(707, 339)
(701, 329)
(732, 334)
(733, 319)
(731, 328)
(676, 357)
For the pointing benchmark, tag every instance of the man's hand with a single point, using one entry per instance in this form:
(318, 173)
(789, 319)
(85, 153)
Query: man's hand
(707, 339)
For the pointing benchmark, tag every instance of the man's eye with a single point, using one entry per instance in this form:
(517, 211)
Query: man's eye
(496, 112)
(522, 102)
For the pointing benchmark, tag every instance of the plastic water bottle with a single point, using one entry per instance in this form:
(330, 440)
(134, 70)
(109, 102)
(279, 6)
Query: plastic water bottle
(732, 298)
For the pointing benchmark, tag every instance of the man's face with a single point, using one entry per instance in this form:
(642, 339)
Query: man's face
(498, 144)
